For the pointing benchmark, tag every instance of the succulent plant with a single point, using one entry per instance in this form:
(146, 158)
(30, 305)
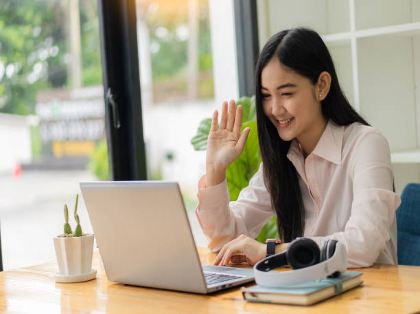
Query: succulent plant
(67, 228)
(78, 232)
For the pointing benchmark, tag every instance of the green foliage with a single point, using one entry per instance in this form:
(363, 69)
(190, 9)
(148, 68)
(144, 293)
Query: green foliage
(67, 228)
(98, 162)
(169, 35)
(28, 31)
(34, 41)
(199, 141)
(206, 88)
(171, 58)
(91, 57)
(242, 169)
(36, 142)
(268, 231)
(205, 62)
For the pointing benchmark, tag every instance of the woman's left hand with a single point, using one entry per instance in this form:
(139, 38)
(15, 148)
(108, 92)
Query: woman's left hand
(251, 250)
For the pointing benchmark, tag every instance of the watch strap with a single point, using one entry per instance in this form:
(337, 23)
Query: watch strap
(271, 246)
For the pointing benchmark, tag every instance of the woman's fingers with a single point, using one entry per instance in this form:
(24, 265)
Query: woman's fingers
(228, 250)
(242, 140)
(231, 117)
(238, 121)
(224, 118)
(232, 250)
(214, 121)
(222, 252)
(219, 257)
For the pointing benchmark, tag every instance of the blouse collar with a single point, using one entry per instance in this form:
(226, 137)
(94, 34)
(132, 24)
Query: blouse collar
(329, 146)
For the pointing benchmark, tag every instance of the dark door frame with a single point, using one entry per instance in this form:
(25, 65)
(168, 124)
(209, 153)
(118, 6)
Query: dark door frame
(121, 81)
(247, 45)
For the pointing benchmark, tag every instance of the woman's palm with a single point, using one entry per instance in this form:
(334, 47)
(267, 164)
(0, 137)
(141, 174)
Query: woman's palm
(226, 143)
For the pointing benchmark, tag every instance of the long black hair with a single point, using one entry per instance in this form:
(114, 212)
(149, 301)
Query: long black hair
(303, 51)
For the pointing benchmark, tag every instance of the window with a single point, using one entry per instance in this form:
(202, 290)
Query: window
(177, 86)
(52, 112)
(51, 121)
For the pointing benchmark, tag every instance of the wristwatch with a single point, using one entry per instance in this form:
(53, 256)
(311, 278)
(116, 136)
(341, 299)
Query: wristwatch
(271, 246)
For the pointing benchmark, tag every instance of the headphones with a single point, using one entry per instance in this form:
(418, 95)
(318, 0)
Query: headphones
(308, 262)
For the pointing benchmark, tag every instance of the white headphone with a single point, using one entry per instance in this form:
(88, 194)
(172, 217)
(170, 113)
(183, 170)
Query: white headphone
(308, 262)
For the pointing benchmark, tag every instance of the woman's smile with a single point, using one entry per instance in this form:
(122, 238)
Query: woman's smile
(284, 123)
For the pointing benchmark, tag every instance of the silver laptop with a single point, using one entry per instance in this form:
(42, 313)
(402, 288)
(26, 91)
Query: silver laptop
(145, 239)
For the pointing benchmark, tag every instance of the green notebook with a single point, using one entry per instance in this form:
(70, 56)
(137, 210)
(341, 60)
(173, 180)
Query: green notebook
(304, 294)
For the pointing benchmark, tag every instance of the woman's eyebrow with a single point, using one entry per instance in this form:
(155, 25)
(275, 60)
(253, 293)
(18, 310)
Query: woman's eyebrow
(281, 86)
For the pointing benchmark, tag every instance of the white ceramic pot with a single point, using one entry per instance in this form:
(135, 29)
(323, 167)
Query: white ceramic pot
(74, 254)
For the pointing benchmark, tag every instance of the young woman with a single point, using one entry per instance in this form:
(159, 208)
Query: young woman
(325, 173)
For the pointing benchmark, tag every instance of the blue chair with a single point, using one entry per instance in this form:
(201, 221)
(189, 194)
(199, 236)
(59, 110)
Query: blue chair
(408, 226)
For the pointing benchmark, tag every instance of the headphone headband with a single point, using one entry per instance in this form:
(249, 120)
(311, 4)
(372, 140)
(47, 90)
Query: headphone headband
(264, 276)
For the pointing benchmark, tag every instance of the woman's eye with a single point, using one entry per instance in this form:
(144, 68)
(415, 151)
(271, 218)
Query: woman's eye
(265, 95)
(286, 94)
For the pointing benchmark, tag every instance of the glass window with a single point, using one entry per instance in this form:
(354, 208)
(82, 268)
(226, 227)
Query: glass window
(176, 73)
(51, 121)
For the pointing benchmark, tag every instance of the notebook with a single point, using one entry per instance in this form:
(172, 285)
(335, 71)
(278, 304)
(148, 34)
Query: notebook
(145, 239)
(306, 293)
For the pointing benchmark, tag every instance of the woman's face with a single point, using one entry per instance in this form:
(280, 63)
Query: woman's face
(292, 104)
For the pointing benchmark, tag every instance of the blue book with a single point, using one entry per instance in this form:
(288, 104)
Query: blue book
(306, 293)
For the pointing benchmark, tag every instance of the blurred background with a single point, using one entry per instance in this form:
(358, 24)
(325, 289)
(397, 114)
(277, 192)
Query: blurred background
(52, 116)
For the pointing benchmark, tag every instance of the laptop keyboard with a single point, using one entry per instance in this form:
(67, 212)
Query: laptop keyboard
(213, 278)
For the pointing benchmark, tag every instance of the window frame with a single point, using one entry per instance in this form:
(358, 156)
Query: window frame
(247, 44)
(120, 68)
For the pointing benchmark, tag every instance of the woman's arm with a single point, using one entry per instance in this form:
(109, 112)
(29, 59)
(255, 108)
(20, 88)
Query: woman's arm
(223, 221)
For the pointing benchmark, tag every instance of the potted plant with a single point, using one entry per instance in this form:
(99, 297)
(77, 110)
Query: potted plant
(74, 251)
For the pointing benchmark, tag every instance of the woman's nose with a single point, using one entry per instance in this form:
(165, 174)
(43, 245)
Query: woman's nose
(277, 109)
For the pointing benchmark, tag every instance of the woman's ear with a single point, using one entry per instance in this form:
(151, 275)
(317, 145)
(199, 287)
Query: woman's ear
(323, 85)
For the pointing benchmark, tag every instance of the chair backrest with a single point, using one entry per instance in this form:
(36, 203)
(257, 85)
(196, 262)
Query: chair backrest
(408, 226)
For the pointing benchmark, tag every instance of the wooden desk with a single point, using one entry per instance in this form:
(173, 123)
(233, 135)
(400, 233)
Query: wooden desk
(386, 289)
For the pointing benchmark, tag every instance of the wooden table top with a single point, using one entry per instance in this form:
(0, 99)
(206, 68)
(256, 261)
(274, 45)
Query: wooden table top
(386, 289)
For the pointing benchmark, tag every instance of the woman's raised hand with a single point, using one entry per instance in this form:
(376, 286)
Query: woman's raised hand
(225, 143)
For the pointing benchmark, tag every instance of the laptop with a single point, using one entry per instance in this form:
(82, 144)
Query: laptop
(145, 239)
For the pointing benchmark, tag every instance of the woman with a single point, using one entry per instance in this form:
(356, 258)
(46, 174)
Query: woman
(325, 173)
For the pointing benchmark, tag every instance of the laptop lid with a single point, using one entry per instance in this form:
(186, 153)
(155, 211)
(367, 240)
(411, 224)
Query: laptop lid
(143, 234)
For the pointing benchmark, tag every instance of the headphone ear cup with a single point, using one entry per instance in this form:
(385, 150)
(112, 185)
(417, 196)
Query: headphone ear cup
(302, 253)
(328, 250)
